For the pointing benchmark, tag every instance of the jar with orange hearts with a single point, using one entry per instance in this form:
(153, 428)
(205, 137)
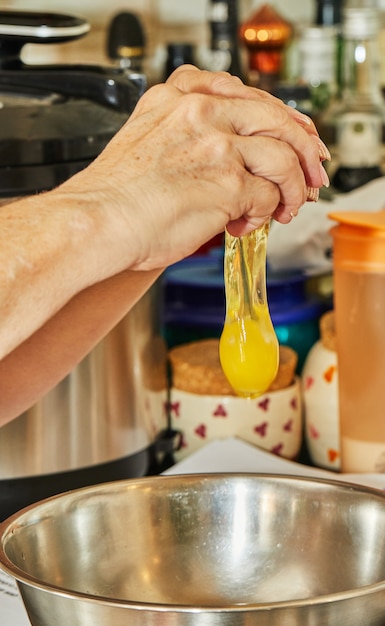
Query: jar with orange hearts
(320, 398)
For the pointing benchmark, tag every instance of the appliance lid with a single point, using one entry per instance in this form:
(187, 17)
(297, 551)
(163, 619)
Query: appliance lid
(41, 146)
(35, 26)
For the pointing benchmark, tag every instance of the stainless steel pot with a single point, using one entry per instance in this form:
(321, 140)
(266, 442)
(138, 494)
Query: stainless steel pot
(106, 419)
(113, 404)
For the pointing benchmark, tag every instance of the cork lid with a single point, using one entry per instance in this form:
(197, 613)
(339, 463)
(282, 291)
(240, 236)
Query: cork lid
(328, 331)
(196, 368)
(360, 22)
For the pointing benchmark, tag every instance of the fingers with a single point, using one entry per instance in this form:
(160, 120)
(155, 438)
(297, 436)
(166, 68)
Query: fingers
(271, 117)
(189, 79)
(264, 199)
(270, 120)
(277, 162)
(242, 138)
(247, 119)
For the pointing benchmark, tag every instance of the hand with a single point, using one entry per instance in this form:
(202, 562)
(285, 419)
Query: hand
(200, 153)
(231, 86)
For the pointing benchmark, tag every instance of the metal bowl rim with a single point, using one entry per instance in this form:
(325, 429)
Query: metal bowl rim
(25, 579)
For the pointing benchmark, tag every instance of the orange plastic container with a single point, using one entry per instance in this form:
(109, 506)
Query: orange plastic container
(359, 294)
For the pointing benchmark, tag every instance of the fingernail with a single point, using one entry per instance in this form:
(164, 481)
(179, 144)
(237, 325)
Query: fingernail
(323, 151)
(312, 194)
(302, 118)
(324, 176)
(293, 213)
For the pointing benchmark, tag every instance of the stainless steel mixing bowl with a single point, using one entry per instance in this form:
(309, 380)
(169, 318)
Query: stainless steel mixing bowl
(203, 550)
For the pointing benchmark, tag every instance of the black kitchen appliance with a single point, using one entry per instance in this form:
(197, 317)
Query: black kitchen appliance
(54, 119)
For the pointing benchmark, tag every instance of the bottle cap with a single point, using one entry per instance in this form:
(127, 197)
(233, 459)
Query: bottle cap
(126, 37)
(371, 220)
(362, 23)
(359, 241)
(318, 33)
(178, 53)
(328, 12)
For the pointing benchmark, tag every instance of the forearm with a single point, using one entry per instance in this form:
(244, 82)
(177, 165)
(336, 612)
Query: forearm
(50, 353)
(52, 247)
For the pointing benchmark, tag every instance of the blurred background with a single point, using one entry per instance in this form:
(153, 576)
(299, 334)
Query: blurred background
(163, 20)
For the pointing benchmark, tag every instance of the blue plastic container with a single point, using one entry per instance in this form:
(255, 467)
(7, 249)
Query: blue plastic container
(194, 304)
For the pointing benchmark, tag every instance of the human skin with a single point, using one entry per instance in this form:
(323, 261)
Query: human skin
(200, 153)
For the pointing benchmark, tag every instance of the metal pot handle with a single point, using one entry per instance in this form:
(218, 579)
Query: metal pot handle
(108, 87)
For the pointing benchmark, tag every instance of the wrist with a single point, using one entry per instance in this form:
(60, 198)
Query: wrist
(103, 233)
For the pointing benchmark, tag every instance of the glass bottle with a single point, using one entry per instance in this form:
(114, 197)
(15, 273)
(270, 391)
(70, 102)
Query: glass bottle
(223, 22)
(312, 57)
(359, 116)
(318, 53)
(265, 35)
(327, 47)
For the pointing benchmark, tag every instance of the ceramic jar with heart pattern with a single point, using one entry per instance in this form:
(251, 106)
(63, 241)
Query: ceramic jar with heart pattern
(204, 408)
(320, 398)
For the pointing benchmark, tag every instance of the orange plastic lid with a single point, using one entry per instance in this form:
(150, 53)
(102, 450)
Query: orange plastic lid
(375, 219)
(359, 240)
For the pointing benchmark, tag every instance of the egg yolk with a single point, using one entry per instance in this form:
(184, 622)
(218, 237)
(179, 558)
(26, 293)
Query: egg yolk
(248, 351)
(248, 347)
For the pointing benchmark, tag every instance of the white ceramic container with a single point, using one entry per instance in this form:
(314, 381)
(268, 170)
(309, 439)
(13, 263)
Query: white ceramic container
(320, 401)
(272, 421)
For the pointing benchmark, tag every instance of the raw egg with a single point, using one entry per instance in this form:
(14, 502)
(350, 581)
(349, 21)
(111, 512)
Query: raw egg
(248, 347)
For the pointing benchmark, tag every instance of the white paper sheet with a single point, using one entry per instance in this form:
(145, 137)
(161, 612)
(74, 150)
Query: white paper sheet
(306, 242)
(12, 611)
(234, 455)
